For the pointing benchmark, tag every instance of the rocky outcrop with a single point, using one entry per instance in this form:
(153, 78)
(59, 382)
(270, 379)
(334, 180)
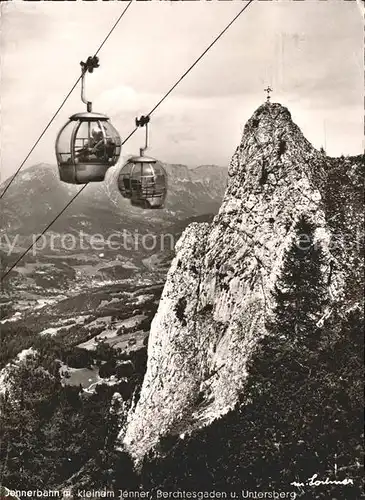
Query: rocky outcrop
(7, 373)
(218, 293)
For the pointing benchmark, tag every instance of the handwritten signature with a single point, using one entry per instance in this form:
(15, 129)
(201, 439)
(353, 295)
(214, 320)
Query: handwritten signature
(313, 481)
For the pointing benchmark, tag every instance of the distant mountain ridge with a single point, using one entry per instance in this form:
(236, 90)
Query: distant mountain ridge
(37, 195)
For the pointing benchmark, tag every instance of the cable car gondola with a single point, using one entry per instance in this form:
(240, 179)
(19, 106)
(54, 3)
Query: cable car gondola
(88, 144)
(143, 180)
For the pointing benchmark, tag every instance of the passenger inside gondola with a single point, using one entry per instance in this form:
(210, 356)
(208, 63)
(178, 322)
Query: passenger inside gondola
(96, 148)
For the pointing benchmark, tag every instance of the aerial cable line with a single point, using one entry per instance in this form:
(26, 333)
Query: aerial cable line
(63, 102)
(201, 56)
(42, 233)
(194, 63)
(130, 135)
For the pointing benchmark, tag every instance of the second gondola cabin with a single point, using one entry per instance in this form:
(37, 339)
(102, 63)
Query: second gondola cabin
(143, 180)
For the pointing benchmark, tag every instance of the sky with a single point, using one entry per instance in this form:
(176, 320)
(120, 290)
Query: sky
(310, 52)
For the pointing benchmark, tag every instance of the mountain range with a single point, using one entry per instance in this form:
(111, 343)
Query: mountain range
(37, 195)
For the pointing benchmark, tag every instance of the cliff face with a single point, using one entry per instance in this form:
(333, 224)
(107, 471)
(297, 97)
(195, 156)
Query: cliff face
(218, 292)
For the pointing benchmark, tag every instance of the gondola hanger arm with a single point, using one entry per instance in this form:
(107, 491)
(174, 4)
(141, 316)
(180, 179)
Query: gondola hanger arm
(143, 121)
(92, 62)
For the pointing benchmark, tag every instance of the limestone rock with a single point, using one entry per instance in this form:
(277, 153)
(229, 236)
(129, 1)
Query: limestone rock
(218, 292)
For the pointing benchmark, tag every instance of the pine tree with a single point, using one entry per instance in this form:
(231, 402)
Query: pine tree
(302, 294)
(300, 412)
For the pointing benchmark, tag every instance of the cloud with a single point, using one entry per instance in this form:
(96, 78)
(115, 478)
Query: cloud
(309, 52)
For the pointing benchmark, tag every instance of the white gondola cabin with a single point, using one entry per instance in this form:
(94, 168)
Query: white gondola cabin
(88, 145)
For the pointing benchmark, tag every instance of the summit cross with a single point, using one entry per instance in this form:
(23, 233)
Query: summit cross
(268, 90)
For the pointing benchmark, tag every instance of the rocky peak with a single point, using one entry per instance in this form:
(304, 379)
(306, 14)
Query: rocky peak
(272, 149)
(218, 293)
